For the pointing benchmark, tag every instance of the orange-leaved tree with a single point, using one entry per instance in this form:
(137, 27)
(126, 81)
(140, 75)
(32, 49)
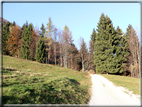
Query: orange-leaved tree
(14, 41)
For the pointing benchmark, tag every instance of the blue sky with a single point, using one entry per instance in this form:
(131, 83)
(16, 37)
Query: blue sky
(81, 18)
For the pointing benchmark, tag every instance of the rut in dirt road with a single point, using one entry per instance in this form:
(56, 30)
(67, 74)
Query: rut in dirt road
(105, 93)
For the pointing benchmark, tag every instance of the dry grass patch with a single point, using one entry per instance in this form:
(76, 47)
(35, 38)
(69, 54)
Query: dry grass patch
(132, 84)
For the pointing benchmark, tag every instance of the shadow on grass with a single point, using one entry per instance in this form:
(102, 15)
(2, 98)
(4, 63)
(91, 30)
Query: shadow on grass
(61, 91)
(6, 70)
(6, 99)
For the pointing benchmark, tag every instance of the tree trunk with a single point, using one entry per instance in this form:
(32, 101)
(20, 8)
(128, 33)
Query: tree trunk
(55, 60)
(82, 67)
(64, 61)
(49, 54)
(61, 62)
(55, 52)
(71, 62)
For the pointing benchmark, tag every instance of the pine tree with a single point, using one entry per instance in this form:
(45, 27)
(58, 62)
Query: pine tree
(5, 35)
(93, 37)
(91, 50)
(13, 24)
(35, 35)
(27, 25)
(106, 41)
(40, 51)
(72, 52)
(91, 56)
(26, 42)
(42, 30)
(124, 51)
(101, 45)
(120, 53)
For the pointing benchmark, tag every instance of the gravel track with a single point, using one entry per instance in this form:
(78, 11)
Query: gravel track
(105, 93)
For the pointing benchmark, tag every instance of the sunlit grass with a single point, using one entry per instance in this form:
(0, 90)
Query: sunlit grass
(30, 82)
(132, 84)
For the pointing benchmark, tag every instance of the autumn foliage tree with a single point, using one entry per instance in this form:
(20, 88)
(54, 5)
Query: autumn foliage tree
(48, 38)
(14, 41)
(83, 54)
(67, 40)
(134, 49)
(55, 47)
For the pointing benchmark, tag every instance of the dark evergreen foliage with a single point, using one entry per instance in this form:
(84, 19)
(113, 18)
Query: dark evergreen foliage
(42, 30)
(26, 42)
(40, 51)
(5, 35)
(110, 48)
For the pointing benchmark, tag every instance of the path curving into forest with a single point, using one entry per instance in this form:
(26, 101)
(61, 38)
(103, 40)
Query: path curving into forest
(105, 93)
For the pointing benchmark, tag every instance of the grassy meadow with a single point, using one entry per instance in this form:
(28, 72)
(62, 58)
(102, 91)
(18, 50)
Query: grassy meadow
(30, 82)
(132, 84)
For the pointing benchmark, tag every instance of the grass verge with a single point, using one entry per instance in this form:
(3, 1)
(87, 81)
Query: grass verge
(132, 84)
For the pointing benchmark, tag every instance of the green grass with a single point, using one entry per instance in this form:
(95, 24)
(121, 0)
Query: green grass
(132, 84)
(30, 82)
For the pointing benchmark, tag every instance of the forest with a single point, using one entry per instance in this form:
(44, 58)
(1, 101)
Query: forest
(110, 50)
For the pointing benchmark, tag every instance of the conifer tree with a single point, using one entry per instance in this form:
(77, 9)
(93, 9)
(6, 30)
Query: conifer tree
(105, 46)
(91, 56)
(5, 35)
(101, 45)
(93, 37)
(48, 38)
(42, 30)
(91, 50)
(26, 42)
(13, 24)
(124, 51)
(40, 51)
(120, 53)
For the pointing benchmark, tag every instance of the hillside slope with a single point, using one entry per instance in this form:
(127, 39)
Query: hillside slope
(29, 82)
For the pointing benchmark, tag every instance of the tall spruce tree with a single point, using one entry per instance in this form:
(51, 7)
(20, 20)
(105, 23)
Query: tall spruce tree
(93, 37)
(91, 56)
(123, 52)
(40, 51)
(26, 42)
(42, 30)
(5, 36)
(91, 50)
(106, 47)
(120, 52)
(101, 45)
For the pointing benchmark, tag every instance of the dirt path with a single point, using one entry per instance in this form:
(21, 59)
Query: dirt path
(105, 93)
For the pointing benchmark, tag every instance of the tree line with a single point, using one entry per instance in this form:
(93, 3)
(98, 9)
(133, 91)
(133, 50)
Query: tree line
(110, 50)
